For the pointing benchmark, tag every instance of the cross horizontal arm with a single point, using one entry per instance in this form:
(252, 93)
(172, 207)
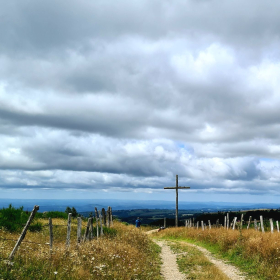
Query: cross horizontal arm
(169, 188)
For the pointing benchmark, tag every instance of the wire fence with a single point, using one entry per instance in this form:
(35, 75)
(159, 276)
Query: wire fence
(24, 241)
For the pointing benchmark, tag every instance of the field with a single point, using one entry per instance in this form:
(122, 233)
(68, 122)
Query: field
(123, 253)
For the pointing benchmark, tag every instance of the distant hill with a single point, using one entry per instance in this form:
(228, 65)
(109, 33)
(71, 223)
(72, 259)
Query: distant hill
(87, 205)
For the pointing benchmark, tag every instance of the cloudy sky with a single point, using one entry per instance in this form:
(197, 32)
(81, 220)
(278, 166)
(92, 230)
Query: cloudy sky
(112, 99)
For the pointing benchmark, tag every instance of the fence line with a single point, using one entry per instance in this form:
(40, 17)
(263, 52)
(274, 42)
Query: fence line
(88, 234)
(236, 224)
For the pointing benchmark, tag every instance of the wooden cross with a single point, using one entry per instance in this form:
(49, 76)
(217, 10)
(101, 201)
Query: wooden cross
(176, 188)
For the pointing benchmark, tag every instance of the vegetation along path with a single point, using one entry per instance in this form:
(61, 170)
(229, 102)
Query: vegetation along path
(169, 268)
(231, 271)
(196, 263)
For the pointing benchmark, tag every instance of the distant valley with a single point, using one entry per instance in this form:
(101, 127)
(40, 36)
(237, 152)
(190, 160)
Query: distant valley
(86, 206)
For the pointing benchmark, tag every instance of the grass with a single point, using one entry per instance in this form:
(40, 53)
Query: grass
(13, 219)
(193, 263)
(256, 253)
(126, 254)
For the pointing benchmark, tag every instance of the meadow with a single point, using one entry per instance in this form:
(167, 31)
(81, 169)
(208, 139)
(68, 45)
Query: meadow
(124, 252)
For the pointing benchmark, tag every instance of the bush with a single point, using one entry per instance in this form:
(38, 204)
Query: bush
(55, 214)
(36, 227)
(13, 219)
(109, 231)
(72, 210)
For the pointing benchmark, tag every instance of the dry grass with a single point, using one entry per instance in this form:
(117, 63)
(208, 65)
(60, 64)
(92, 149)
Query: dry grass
(195, 264)
(256, 252)
(127, 255)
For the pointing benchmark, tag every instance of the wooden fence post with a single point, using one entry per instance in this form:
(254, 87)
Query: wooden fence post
(79, 229)
(209, 224)
(202, 225)
(103, 216)
(86, 236)
(241, 222)
(68, 230)
(101, 224)
(255, 224)
(97, 226)
(197, 224)
(164, 222)
(23, 233)
(51, 233)
(277, 226)
(261, 220)
(271, 225)
(227, 220)
(91, 229)
(186, 223)
(111, 215)
(234, 222)
(108, 216)
(249, 222)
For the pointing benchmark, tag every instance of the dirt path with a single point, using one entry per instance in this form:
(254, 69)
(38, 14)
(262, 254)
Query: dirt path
(231, 271)
(169, 269)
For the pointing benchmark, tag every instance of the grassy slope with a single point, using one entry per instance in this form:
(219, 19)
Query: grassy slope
(127, 255)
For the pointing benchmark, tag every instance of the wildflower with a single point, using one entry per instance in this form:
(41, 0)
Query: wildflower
(92, 258)
(9, 263)
(55, 272)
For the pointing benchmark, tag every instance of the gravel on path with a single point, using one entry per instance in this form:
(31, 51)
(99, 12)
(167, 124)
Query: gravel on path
(229, 270)
(169, 268)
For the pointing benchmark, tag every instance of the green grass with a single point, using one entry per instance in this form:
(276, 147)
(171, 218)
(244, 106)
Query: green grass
(193, 263)
(13, 219)
(253, 264)
(249, 266)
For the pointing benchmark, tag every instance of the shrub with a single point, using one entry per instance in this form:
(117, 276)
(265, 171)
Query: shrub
(55, 214)
(13, 219)
(36, 227)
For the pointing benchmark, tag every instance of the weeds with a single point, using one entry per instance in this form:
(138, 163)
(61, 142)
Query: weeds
(124, 253)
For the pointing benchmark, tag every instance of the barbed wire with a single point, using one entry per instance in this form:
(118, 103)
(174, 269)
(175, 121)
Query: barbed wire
(47, 225)
(25, 241)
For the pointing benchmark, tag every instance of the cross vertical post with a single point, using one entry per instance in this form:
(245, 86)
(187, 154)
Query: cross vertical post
(176, 188)
(176, 214)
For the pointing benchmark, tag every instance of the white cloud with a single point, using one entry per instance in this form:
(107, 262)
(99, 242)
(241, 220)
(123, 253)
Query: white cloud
(100, 98)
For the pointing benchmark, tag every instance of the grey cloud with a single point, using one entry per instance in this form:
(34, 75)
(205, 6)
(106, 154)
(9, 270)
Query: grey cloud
(40, 25)
(122, 88)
